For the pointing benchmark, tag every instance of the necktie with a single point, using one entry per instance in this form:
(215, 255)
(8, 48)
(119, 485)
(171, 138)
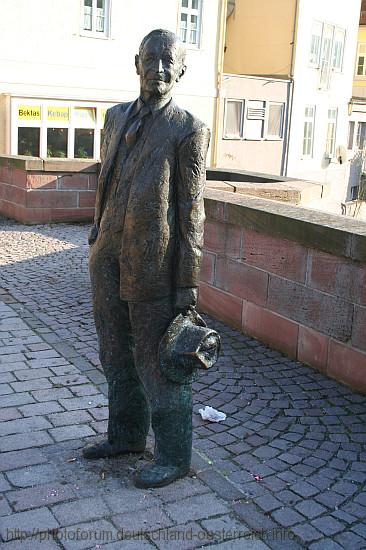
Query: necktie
(133, 130)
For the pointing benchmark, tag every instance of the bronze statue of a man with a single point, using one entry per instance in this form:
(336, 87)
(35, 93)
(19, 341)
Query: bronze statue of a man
(145, 255)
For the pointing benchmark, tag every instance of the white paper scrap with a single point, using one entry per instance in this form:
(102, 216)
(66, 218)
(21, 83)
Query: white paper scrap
(208, 413)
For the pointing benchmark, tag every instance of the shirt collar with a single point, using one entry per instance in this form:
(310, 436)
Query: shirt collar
(154, 107)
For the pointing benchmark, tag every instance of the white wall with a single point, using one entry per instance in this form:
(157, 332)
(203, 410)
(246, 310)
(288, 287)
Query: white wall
(306, 92)
(42, 53)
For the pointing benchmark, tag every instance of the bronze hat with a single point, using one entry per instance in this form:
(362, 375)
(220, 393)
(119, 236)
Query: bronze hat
(188, 345)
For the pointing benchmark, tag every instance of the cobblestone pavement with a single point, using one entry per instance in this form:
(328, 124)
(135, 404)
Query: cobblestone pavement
(286, 469)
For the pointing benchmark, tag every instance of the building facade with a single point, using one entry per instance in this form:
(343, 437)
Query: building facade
(312, 45)
(66, 61)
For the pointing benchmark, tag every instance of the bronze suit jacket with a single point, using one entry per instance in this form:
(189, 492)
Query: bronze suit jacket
(162, 237)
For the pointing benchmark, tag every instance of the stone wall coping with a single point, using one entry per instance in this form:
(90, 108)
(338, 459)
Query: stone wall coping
(50, 164)
(331, 233)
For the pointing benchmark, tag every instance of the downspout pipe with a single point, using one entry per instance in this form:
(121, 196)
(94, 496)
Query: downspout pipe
(220, 67)
(292, 88)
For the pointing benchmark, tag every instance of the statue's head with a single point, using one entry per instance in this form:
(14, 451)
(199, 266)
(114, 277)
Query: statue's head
(160, 63)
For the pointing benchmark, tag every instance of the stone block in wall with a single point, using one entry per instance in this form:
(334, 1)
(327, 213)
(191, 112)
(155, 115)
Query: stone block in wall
(52, 199)
(86, 199)
(41, 181)
(359, 328)
(270, 328)
(280, 256)
(208, 267)
(313, 348)
(327, 314)
(337, 276)
(223, 306)
(223, 238)
(19, 178)
(347, 365)
(241, 280)
(74, 181)
(12, 193)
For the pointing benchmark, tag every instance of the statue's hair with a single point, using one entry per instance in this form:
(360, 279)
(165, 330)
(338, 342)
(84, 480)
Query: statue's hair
(165, 34)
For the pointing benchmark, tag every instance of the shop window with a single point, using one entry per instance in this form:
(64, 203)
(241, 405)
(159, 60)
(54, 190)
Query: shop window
(84, 143)
(233, 118)
(95, 16)
(57, 139)
(28, 141)
(190, 22)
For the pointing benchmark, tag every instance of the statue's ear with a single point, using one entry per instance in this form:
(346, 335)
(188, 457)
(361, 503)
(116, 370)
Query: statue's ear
(137, 59)
(181, 72)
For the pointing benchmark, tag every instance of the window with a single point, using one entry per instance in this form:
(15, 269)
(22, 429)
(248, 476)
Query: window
(361, 65)
(307, 146)
(275, 120)
(254, 123)
(354, 192)
(28, 141)
(331, 133)
(316, 39)
(338, 47)
(233, 118)
(259, 120)
(326, 50)
(351, 133)
(84, 143)
(361, 135)
(95, 17)
(57, 142)
(190, 22)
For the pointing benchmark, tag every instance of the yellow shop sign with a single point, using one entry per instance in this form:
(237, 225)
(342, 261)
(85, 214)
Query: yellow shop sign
(58, 113)
(29, 112)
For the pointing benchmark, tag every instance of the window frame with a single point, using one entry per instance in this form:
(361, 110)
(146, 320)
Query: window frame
(93, 33)
(331, 122)
(363, 75)
(351, 135)
(308, 119)
(225, 135)
(270, 137)
(343, 31)
(191, 11)
(316, 63)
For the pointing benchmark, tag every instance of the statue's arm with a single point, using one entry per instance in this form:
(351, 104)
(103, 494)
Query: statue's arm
(93, 234)
(191, 216)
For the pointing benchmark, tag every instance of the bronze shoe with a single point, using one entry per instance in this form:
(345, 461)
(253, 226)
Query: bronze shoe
(158, 476)
(104, 449)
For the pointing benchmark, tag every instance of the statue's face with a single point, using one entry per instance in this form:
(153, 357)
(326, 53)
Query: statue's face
(159, 66)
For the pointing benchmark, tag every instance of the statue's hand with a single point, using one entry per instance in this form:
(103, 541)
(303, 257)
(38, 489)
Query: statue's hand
(93, 234)
(185, 299)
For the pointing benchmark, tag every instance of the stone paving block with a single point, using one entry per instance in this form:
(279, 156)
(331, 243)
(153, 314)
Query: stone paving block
(9, 413)
(220, 485)
(253, 517)
(179, 537)
(196, 507)
(22, 425)
(350, 540)
(33, 475)
(11, 358)
(69, 379)
(326, 544)
(6, 377)
(31, 374)
(85, 389)
(307, 533)
(87, 535)
(67, 418)
(6, 367)
(27, 523)
(18, 441)
(38, 384)
(5, 389)
(151, 519)
(52, 394)
(40, 495)
(47, 363)
(83, 509)
(129, 545)
(327, 525)
(41, 408)
(16, 399)
(130, 499)
(18, 459)
(75, 403)
(268, 503)
(5, 509)
(33, 543)
(185, 488)
(71, 432)
(287, 517)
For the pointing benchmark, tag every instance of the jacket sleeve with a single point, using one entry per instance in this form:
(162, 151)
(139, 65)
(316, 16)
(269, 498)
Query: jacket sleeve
(190, 206)
(105, 137)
